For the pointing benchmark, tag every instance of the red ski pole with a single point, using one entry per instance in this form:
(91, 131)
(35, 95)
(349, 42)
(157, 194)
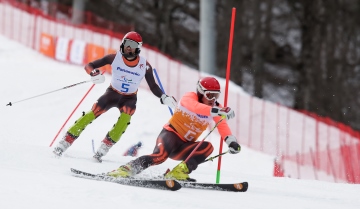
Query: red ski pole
(197, 146)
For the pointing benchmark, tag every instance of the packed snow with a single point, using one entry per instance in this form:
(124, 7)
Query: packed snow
(32, 177)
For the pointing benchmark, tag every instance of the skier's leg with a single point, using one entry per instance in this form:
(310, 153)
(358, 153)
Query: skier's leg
(159, 155)
(113, 136)
(103, 104)
(182, 170)
(127, 107)
(74, 132)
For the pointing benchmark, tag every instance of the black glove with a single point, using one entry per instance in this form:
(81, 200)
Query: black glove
(95, 72)
(234, 147)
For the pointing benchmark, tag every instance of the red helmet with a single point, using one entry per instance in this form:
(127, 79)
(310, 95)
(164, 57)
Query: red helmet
(134, 40)
(208, 87)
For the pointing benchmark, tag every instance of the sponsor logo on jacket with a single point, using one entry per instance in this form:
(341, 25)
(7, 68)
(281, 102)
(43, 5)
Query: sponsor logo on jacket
(202, 116)
(127, 71)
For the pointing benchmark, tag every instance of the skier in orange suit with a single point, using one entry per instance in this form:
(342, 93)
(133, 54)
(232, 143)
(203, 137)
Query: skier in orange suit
(193, 114)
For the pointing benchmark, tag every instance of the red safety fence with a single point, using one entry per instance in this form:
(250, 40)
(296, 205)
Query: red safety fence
(303, 145)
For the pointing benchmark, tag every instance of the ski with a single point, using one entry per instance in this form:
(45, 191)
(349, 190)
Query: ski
(236, 187)
(147, 183)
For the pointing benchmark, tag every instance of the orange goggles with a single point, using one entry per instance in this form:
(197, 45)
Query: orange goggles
(211, 95)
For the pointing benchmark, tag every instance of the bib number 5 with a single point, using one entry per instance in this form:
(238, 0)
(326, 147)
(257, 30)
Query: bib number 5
(124, 87)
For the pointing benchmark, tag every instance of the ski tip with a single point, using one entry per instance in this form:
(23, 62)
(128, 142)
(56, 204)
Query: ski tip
(241, 187)
(172, 185)
(74, 171)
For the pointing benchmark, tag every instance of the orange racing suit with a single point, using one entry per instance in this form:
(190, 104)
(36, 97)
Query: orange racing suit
(178, 137)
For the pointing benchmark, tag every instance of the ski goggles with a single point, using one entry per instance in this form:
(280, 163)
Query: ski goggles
(132, 44)
(211, 95)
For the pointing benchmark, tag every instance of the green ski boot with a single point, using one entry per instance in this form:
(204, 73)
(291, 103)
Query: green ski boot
(180, 172)
(123, 171)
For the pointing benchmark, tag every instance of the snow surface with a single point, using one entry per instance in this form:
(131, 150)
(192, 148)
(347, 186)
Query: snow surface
(31, 177)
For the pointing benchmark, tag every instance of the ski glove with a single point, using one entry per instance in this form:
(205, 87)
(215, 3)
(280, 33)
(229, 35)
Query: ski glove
(234, 147)
(168, 100)
(97, 77)
(227, 112)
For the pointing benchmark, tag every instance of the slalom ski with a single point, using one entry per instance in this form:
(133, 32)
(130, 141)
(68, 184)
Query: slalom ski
(147, 183)
(236, 187)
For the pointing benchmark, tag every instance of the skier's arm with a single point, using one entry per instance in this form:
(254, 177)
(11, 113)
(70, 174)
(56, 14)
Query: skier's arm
(155, 89)
(190, 102)
(223, 127)
(226, 135)
(149, 77)
(106, 60)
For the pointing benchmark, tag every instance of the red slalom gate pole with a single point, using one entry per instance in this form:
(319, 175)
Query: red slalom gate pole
(71, 115)
(82, 99)
(227, 83)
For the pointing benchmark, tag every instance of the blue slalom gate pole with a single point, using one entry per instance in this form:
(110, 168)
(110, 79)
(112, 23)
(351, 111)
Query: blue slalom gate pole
(162, 89)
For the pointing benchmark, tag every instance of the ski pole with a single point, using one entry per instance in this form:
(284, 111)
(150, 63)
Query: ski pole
(93, 146)
(66, 87)
(212, 158)
(82, 99)
(222, 118)
(157, 77)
